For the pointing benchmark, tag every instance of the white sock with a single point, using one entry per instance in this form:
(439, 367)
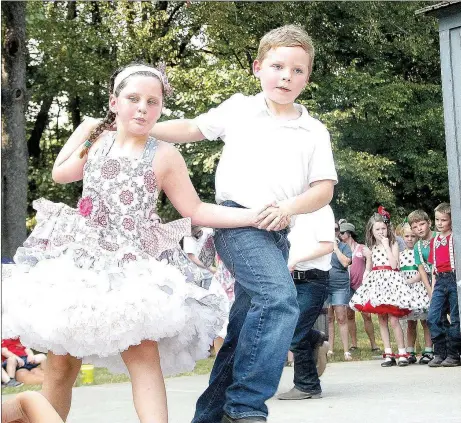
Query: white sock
(388, 351)
(428, 349)
(402, 351)
(410, 350)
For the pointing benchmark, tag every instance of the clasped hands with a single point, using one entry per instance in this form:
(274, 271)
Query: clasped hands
(273, 217)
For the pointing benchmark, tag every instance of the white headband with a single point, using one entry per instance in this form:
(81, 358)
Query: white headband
(133, 69)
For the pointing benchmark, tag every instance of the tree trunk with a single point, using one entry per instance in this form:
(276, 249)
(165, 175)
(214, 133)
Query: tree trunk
(14, 146)
(74, 107)
(41, 121)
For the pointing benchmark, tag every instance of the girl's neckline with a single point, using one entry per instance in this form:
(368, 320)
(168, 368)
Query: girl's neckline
(111, 142)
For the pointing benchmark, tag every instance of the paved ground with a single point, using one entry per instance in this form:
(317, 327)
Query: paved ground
(352, 391)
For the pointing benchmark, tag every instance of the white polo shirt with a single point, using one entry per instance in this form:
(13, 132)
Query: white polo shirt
(266, 159)
(308, 231)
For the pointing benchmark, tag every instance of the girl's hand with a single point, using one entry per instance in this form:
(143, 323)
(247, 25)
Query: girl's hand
(273, 218)
(385, 242)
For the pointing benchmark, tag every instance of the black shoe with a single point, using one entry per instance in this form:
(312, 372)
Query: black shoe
(389, 360)
(451, 362)
(295, 394)
(227, 419)
(426, 358)
(12, 383)
(436, 361)
(412, 358)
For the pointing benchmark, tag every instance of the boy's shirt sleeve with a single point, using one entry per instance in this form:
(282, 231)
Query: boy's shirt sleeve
(213, 123)
(416, 254)
(321, 163)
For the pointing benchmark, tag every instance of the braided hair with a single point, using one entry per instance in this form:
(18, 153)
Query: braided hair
(109, 119)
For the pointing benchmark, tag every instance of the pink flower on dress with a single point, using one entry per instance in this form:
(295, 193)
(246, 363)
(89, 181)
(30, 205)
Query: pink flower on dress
(128, 223)
(126, 197)
(85, 206)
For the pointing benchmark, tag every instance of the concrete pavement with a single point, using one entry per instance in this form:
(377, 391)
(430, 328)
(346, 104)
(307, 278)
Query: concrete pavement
(360, 390)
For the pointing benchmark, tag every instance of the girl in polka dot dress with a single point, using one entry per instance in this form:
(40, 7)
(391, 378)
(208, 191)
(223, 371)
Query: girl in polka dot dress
(419, 296)
(384, 290)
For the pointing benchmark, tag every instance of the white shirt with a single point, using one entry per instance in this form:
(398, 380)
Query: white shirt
(266, 159)
(308, 231)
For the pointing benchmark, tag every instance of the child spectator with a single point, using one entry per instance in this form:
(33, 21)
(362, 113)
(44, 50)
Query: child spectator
(447, 341)
(29, 366)
(421, 227)
(384, 290)
(420, 297)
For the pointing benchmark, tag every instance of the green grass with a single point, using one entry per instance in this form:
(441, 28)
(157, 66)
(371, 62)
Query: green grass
(103, 376)
(364, 349)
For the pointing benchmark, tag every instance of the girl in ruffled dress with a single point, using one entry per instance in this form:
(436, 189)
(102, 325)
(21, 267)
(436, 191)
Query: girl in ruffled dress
(419, 295)
(384, 291)
(107, 283)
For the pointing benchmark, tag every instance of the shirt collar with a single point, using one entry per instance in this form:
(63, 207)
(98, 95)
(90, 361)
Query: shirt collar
(304, 121)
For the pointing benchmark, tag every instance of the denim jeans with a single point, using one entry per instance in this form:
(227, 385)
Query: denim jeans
(311, 297)
(262, 320)
(446, 338)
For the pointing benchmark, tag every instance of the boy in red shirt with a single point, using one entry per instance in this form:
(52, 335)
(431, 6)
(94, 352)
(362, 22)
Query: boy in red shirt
(27, 363)
(447, 341)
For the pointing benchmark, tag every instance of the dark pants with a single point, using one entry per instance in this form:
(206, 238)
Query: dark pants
(446, 338)
(312, 293)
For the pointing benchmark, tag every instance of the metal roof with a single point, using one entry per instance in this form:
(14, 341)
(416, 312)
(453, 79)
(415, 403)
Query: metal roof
(438, 6)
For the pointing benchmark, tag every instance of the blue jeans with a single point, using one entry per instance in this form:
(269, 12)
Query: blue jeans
(262, 320)
(446, 338)
(311, 297)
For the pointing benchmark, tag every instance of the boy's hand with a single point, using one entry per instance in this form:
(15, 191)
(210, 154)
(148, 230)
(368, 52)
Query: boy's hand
(292, 264)
(274, 218)
(20, 362)
(31, 358)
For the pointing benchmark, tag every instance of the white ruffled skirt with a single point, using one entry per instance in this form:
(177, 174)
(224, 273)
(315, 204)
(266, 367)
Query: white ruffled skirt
(93, 315)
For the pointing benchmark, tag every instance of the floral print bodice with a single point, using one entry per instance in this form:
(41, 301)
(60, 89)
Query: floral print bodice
(119, 192)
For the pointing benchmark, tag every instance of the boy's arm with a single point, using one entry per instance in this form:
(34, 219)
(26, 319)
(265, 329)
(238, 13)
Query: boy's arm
(425, 279)
(323, 248)
(7, 353)
(177, 131)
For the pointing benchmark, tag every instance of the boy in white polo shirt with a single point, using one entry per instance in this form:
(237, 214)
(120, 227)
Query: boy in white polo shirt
(312, 240)
(274, 152)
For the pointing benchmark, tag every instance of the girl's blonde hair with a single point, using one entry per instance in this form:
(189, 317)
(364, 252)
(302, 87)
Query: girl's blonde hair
(370, 239)
(287, 36)
(109, 119)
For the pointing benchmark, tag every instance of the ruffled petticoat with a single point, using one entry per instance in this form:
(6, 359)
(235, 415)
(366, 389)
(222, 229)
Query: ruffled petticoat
(66, 294)
(383, 292)
(419, 298)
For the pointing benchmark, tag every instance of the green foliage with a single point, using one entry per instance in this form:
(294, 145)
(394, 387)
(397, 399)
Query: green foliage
(376, 85)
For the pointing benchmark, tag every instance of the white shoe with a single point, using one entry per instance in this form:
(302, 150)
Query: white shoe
(347, 356)
(330, 354)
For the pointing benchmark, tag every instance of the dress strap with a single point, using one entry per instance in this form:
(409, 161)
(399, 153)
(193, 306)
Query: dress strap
(149, 150)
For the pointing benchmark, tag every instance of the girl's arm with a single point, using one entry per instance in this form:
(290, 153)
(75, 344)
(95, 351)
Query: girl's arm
(68, 166)
(425, 279)
(393, 255)
(368, 262)
(322, 249)
(173, 179)
(177, 131)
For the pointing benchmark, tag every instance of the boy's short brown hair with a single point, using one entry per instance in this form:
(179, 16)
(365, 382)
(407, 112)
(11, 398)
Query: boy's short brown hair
(417, 216)
(444, 208)
(287, 36)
